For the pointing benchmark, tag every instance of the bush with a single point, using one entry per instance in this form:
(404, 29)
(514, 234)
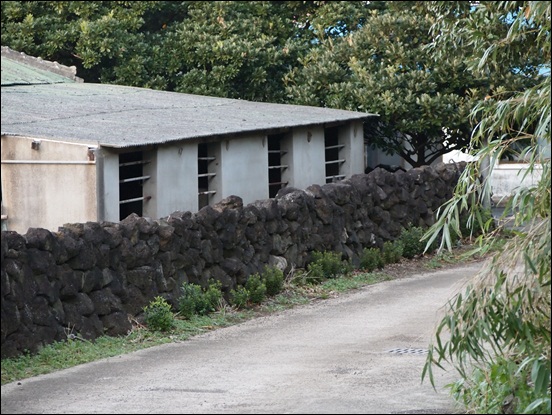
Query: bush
(327, 265)
(195, 300)
(392, 251)
(273, 278)
(213, 297)
(411, 240)
(371, 259)
(192, 296)
(158, 315)
(256, 289)
(239, 297)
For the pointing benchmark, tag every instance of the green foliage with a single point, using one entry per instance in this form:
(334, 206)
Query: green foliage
(196, 300)
(327, 264)
(273, 278)
(89, 35)
(500, 325)
(301, 277)
(158, 315)
(388, 67)
(256, 289)
(239, 297)
(411, 240)
(371, 259)
(392, 251)
(213, 297)
(468, 226)
(384, 67)
(503, 388)
(191, 296)
(232, 49)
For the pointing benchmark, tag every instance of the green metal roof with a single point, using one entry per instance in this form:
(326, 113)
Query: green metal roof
(19, 68)
(16, 73)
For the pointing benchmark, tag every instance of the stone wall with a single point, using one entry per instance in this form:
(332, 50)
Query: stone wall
(89, 278)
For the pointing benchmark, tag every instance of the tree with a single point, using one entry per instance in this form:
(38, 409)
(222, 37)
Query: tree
(89, 35)
(367, 56)
(497, 332)
(236, 49)
(386, 67)
(232, 49)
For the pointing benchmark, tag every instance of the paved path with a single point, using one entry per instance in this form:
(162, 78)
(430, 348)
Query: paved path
(332, 356)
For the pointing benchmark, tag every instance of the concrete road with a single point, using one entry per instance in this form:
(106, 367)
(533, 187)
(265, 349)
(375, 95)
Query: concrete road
(334, 356)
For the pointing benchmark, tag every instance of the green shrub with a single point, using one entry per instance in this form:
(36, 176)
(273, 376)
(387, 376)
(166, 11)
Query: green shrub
(239, 297)
(273, 278)
(158, 315)
(371, 259)
(213, 297)
(315, 273)
(392, 251)
(195, 300)
(327, 264)
(256, 288)
(411, 239)
(191, 295)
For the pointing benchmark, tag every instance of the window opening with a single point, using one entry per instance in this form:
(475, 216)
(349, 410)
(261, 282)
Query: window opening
(205, 169)
(333, 161)
(275, 166)
(131, 180)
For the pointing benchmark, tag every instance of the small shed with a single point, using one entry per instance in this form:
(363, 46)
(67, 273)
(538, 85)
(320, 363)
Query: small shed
(75, 152)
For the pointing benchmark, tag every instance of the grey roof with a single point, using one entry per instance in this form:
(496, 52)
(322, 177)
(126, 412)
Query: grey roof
(121, 116)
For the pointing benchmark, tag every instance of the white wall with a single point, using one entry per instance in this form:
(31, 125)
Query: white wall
(173, 182)
(352, 136)
(49, 195)
(48, 186)
(506, 177)
(108, 185)
(306, 157)
(243, 169)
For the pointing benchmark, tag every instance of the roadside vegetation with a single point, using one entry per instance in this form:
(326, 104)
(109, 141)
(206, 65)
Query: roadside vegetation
(202, 309)
(496, 333)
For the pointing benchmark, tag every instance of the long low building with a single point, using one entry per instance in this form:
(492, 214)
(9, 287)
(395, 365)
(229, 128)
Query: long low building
(77, 152)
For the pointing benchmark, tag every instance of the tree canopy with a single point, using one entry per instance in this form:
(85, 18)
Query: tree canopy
(363, 56)
(235, 49)
(388, 67)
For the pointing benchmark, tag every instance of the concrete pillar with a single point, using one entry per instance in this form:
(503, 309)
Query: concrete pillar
(173, 181)
(305, 157)
(107, 164)
(351, 136)
(243, 169)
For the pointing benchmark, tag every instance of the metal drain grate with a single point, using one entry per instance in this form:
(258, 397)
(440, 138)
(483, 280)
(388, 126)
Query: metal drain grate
(408, 350)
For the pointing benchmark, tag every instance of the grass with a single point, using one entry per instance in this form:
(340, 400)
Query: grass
(72, 352)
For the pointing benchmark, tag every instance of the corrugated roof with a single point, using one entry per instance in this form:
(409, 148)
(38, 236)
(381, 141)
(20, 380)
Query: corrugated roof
(21, 69)
(120, 116)
(15, 73)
